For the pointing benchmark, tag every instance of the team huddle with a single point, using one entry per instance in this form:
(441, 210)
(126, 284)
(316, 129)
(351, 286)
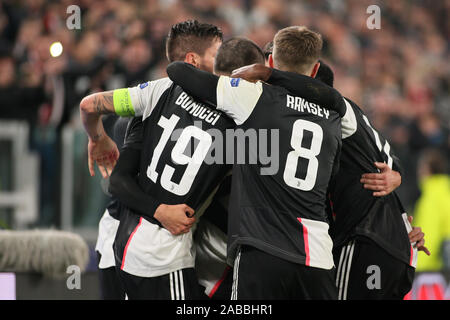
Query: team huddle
(306, 221)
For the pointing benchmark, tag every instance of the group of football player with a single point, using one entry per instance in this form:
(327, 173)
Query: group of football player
(327, 224)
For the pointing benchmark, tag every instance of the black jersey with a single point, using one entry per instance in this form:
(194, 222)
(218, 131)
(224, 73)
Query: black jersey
(178, 134)
(117, 128)
(356, 210)
(282, 212)
(278, 207)
(178, 138)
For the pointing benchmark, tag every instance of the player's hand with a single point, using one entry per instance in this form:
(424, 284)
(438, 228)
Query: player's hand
(178, 219)
(104, 152)
(383, 182)
(416, 235)
(253, 73)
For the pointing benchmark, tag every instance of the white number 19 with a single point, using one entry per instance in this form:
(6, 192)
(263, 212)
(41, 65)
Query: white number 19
(193, 162)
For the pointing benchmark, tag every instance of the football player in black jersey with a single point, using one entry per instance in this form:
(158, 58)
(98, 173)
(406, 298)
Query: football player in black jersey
(278, 227)
(156, 262)
(374, 243)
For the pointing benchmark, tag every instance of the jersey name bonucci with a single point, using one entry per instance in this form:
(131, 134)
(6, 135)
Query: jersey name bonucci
(176, 141)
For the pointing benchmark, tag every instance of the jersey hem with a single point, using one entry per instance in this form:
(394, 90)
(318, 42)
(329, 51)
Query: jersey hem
(158, 271)
(280, 253)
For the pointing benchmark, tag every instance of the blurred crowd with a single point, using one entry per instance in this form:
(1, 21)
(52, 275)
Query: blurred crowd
(399, 74)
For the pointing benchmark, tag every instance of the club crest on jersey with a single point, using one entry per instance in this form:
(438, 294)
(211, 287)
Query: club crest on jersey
(143, 85)
(235, 82)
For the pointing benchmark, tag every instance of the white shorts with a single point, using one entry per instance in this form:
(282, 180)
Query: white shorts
(107, 230)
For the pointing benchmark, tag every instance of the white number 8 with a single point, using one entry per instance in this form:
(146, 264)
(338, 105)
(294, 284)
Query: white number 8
(310, 154)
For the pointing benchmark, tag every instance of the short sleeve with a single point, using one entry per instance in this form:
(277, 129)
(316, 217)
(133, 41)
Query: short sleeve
(348, 121)
(140, 100)
(237, 97)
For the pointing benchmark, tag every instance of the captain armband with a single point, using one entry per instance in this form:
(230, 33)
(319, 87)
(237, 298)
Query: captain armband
(122, 103)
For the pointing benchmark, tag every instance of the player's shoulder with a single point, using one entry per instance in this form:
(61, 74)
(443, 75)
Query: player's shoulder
(353, 104)
(273, 90)
(319, 93)
(328, 96)
(318, 88)
(356, 110)
(152, 85)
(149, 94)
(238, 84)
(150, 90)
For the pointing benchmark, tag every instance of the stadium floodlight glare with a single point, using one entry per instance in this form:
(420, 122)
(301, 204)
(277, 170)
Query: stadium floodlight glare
(56, 49)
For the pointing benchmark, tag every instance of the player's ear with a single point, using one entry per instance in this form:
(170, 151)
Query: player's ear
(271, 61)
(315, 70)
(192, 58)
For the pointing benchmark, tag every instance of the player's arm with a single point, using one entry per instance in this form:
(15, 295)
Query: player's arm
(386, 180)
(418, 237)
(300, 85)
(383, 182)
(101, 148)
(124, 186)
(125, 102)
(235, 97)
(93, 106)
(198, 83)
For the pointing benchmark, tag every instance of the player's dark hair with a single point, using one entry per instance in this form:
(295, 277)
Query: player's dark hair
(325, 74)
(190, 36)
(268, 48)
(236, 53)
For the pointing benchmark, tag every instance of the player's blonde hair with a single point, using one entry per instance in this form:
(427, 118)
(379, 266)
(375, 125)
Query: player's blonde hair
(296, 49)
